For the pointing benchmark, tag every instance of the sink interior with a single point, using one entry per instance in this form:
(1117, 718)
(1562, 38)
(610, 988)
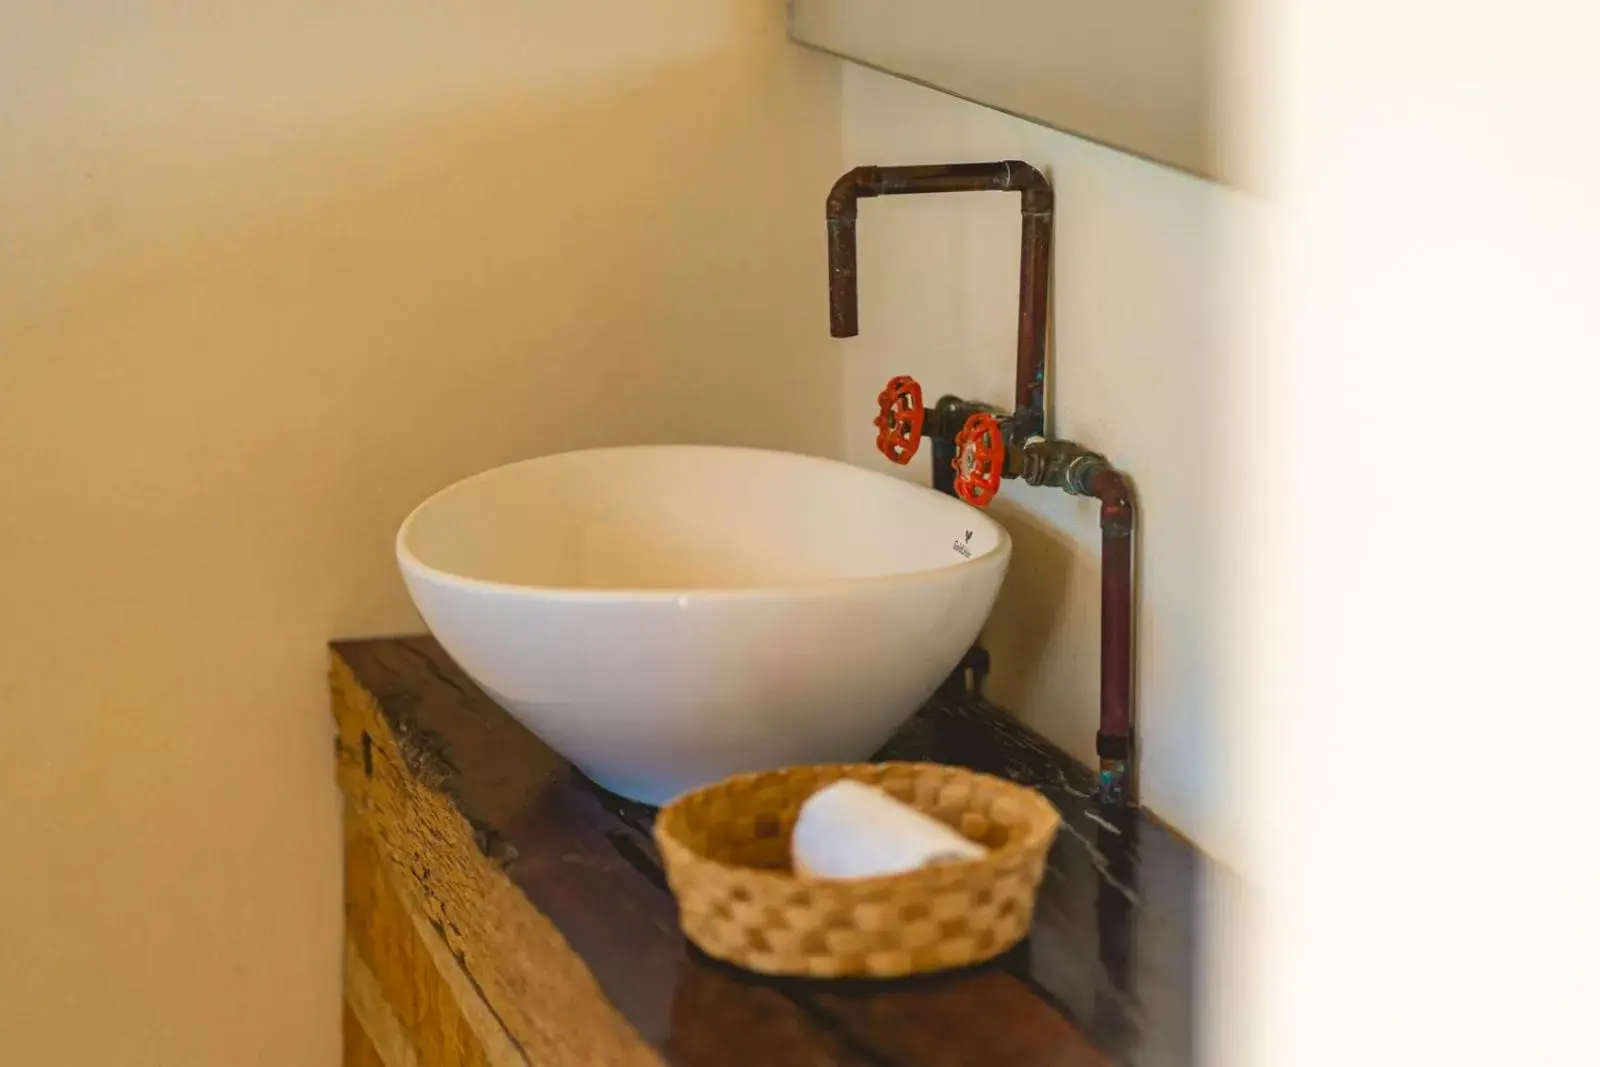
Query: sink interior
(689, 518)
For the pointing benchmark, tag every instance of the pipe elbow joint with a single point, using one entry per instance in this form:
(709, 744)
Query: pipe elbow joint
(850, 187)
(1116, 501)
(1025, 178)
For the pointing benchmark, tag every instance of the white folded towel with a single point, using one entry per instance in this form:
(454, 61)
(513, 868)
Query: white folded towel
(853, 830)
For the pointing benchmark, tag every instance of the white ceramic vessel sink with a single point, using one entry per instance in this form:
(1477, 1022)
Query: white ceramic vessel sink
(665, 616)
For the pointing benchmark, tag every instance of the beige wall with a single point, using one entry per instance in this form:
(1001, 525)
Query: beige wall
(270, 273)
(1136, 366)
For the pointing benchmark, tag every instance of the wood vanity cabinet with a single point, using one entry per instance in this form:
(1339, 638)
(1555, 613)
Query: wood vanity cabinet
(501, 910)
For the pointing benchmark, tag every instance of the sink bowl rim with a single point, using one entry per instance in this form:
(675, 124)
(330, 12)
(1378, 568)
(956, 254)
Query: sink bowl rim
(997, 555)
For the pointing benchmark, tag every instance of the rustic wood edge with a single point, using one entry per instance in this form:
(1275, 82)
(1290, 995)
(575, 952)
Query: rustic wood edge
(402, 985)
(378, 1035)
(359, 1050)
(469, 970)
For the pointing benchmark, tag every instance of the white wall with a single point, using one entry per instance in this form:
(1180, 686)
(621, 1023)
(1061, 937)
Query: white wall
(1136, 372)
(1415, 715)
(269, 274)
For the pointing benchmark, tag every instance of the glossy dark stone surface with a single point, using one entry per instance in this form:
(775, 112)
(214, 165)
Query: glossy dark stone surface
(1107, 975)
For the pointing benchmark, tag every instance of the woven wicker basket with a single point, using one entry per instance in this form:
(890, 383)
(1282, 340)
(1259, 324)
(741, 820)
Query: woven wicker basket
(726, 851)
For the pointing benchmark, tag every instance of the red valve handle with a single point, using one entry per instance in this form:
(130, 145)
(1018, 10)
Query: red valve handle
(899, 420)
(980, 459)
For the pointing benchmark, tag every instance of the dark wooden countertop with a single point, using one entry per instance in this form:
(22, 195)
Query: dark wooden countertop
(1106, 976)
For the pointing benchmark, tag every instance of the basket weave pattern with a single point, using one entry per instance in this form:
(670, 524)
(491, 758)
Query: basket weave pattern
(726, 852)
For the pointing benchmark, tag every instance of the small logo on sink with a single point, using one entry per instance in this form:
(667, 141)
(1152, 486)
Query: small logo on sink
(961, 546)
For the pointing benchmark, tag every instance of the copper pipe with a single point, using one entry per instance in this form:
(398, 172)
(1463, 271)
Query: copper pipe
(1114, 739)
(1081, 472)
(1038, 213)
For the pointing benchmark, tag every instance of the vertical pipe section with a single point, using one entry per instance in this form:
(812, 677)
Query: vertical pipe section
(842, 316)
(1114, 740)
(1048, 461)
(1033, 311)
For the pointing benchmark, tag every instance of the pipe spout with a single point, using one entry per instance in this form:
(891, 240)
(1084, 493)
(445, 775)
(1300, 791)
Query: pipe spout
(1038, 211)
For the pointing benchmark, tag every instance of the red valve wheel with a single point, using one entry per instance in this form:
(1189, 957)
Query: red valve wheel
(980, 459)
(899, 420)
